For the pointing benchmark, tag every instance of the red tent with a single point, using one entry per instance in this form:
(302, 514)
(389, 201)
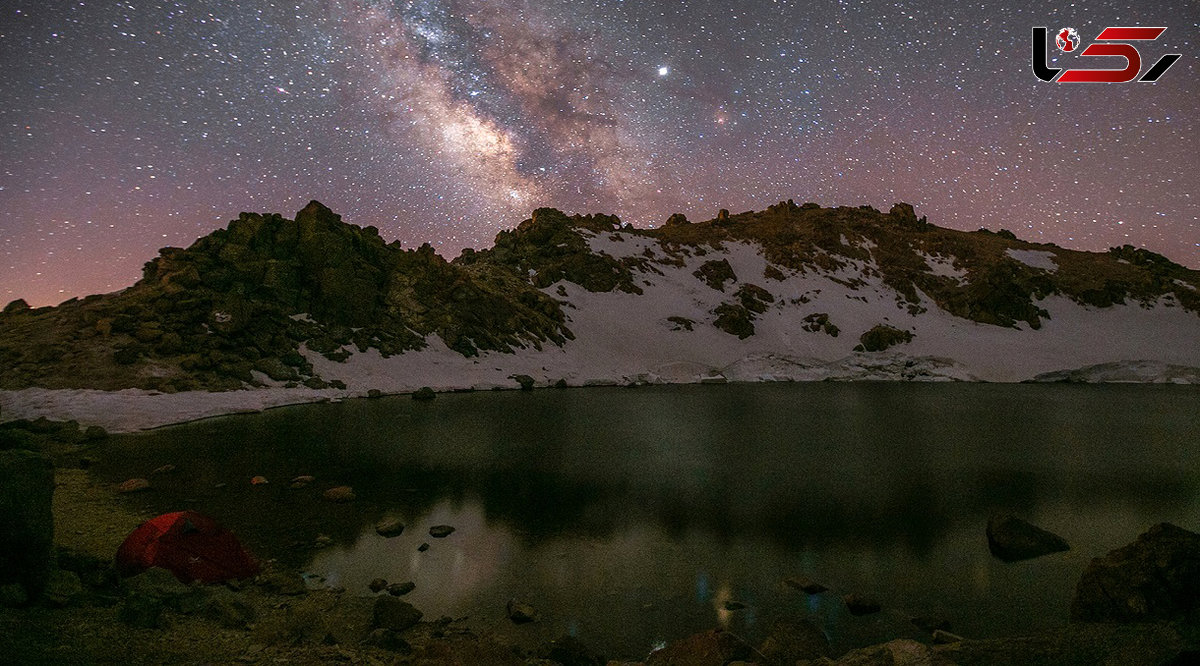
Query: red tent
(188, 544)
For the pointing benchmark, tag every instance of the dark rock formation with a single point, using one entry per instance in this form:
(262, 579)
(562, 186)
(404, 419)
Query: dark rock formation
(882, 336)
(519, 612)
(393, 614)
(401, 589)
(389, 527)
(711, 648)
(859, 604)
(715, 273)
(805, 585)
(789, 642)
(1012, 539)
(1157, 577)
(26, 521)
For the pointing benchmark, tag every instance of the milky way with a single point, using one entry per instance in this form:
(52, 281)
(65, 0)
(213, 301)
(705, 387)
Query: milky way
(126, 127)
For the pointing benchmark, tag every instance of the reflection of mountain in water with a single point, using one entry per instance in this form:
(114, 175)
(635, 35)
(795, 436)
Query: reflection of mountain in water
(798, 466)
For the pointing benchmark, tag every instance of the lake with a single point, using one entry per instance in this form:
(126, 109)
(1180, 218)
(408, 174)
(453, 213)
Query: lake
(629, 516)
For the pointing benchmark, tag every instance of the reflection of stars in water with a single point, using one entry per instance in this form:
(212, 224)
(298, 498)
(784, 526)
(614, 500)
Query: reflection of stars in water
(127, 126)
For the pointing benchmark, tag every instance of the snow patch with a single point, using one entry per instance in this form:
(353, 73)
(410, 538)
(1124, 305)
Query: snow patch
(1042, 259)
(1141, 372)
(943, 266)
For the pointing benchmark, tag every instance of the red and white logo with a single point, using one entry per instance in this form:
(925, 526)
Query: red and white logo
(1066, 40)
(1118, 44)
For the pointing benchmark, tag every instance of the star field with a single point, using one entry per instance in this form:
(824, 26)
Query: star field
(128, 126)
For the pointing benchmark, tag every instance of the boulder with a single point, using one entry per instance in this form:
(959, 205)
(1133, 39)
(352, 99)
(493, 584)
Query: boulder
(805, 585)
(283, 582)
(711, 648)
(440, 531)
(133, 485)
(389, 527)
(392, 613)
(61, 588)
(424, 393)
(520, 613)
(339, 494)
(26, 521)
(157, 583)
(401, 589)
(903, 651)
(94, 433)
(789, 642)
(903, 211)
(859, 604)
(943, 637)
(1012, 539)
(569, 651)
(377, 584)
(387, 639)
(1157, 577)
(227, 608)
(525, 381)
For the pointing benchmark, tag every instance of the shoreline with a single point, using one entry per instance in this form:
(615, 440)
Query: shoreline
(138, 410)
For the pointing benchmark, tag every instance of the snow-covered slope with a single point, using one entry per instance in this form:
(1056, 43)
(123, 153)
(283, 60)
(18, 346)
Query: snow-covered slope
(741, 298)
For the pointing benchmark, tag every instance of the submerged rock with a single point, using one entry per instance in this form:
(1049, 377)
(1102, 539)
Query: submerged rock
(805, 585)
(1157, 577)
(859, 604)
(389, 527)
(339, 494)
(440, 531)
(1012, 539)
(401, 589)
(377, 584)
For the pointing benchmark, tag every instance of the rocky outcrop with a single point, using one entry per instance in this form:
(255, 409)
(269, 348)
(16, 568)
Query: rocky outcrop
(711, 648)
(1012, 539)
(250, 304)
(882, 336)
(1157, 577)
(26, 521)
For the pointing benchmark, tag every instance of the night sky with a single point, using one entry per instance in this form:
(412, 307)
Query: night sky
(125, 127)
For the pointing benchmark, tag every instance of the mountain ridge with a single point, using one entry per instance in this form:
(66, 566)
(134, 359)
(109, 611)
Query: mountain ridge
(261, 301)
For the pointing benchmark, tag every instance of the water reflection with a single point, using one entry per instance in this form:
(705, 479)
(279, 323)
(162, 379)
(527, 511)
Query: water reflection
(629, 517)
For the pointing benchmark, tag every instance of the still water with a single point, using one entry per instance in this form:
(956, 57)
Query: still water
(628, 517)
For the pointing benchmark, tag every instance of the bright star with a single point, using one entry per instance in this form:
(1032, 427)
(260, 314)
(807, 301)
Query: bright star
(664, 70)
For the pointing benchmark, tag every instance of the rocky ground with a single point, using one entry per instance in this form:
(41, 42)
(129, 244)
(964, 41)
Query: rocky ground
(1138, 605)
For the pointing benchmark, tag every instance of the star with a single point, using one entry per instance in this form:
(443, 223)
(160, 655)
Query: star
(424, 117)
